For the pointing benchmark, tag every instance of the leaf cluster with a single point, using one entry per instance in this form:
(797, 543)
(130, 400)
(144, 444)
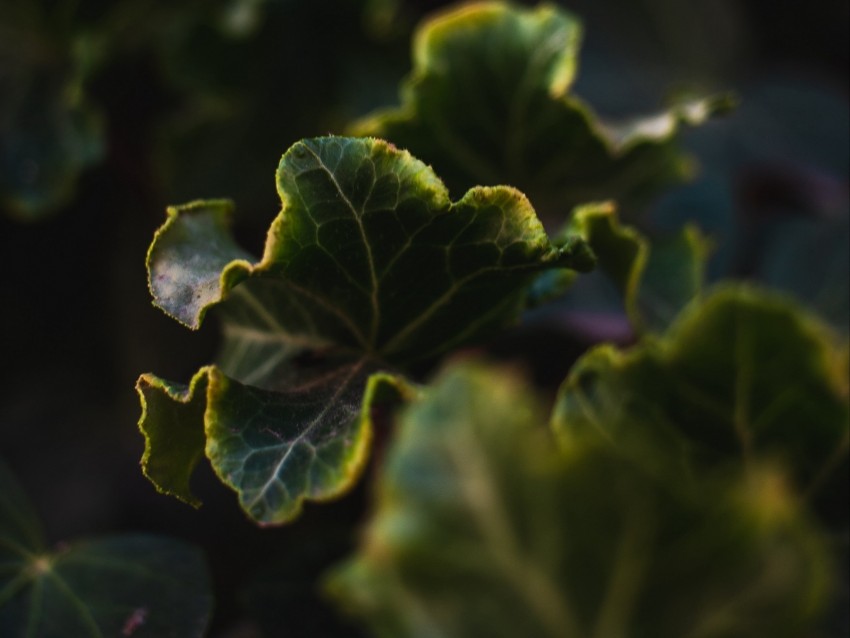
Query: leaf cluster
(706, 448)
(681, 482)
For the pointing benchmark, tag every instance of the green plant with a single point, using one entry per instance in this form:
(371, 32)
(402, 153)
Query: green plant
(687, 481)
(689, 454)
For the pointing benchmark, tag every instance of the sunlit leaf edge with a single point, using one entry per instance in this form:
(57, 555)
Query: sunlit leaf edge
(204, 386)
(617, 138)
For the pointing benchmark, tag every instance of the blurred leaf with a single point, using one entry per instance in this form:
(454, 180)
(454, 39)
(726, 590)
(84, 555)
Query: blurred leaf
(488, 103)
(140, 586)
(656, 280)
(740, 376)
(369, 267)
(237, 74)
(49, 132)
(484, 528)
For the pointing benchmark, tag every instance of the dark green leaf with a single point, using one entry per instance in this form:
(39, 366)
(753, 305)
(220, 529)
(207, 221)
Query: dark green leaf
(140, 586)
(484, 528)
(488, 103)
(307, 439)
(368, 267)
(740, 376)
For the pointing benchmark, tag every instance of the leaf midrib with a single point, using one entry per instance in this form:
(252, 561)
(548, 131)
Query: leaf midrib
(374, 282)
(554, 610)
(274, 475)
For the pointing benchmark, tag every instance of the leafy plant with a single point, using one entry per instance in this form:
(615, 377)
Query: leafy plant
(484, 527)
(406, 342)
(368, 269)
(682, 456)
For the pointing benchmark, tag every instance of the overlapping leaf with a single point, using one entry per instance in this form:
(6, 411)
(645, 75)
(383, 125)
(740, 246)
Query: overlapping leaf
(140, 586)
(656, 280)
(369, 267)
(483, 527)
(741, 376)
(488, 103)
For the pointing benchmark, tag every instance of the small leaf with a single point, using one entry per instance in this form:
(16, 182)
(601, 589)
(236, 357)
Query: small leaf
(368, 268)
(132, 585)
(740, 376)
(656, 280)
(488, 103)
(484, 528)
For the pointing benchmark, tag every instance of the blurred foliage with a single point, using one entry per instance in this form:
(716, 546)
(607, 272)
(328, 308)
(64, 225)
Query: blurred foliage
(109, 110)
(49, 131)
(232, 74)
(489, 101)
(483, 527)
(740, 375)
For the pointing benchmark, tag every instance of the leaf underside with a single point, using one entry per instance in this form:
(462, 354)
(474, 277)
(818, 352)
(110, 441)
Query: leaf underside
(368, 268)
(488, 102)
(483, 527)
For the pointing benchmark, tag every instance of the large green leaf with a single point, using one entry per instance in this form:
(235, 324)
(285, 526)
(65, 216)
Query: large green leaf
(484, 528)
(133, 585)
(657, 279)
(740, 376)
(369, 267)
(488, 103)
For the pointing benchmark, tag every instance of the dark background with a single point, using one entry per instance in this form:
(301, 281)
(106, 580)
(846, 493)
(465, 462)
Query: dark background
(188, 109)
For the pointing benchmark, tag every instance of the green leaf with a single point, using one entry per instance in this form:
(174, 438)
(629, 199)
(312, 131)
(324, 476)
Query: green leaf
(308, 439)
(368, 268)
(658, 279)
(740, 376)
(131, 585)
(488, 102)
(484, 528)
